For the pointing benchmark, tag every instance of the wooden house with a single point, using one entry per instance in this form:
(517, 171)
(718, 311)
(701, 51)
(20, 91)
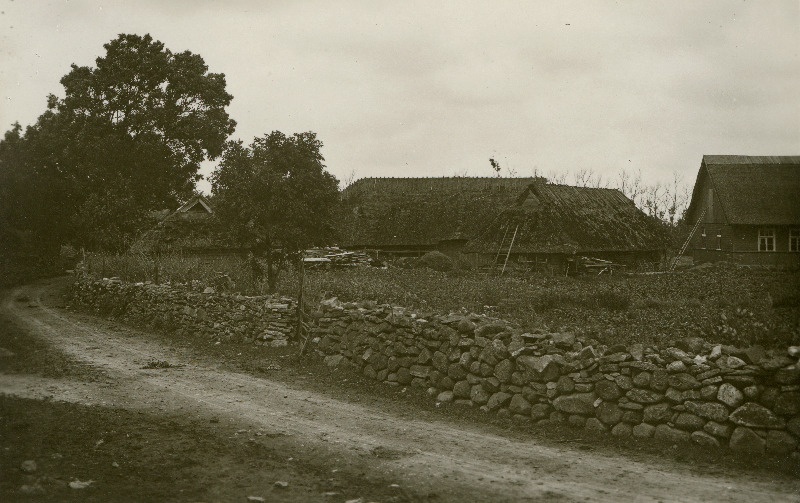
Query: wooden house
(411, 216)
(191, 230)
(552, 227)
(746, 209)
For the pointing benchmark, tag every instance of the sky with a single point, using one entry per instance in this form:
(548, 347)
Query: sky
(437, 88)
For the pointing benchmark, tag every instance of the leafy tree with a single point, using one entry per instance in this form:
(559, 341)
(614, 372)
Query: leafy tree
(128, 137)
(276, 197)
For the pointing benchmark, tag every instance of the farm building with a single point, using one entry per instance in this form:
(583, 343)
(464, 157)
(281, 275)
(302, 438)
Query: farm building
(411, 216)
(191, 230)
(552, 227)
(746, 209)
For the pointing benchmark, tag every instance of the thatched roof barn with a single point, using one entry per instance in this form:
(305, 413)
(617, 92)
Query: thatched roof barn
(409, 216)
(558, 221)
(192, 229)
(747, 210)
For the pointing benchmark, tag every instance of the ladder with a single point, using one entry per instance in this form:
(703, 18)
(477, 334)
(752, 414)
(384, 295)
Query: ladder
(502, 247)
(688, 239)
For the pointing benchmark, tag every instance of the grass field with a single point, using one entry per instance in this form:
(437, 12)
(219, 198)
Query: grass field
(724, 303)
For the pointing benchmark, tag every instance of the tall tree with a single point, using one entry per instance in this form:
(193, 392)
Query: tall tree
(127, 137)
(276, 196)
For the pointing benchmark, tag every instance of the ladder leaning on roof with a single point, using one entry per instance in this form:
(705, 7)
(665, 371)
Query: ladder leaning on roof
(502, 247)
(688, 239)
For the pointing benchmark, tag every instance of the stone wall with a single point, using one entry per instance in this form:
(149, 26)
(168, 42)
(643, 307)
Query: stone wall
(748, 399)
(190, 309)
(691, 391)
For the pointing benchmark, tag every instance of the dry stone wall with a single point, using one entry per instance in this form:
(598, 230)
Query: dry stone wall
(747, 399)
(190, 309)
(695, 392)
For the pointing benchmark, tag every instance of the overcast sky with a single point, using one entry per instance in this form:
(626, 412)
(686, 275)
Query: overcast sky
(429, 88)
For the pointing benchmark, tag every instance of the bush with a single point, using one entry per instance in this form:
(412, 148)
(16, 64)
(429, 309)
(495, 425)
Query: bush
(436, 261)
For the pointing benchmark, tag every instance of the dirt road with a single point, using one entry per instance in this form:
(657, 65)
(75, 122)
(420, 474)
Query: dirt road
(455, 463)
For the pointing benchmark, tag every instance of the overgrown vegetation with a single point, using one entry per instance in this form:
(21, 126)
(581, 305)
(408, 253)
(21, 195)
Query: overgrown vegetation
(724, 304)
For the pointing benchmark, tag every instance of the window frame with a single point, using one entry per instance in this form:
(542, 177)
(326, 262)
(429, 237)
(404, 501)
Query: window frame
(766, 236)
(794, 239)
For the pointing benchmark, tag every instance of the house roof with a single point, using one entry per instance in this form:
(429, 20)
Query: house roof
(191, 228)
(422, 211)
(565, 219)
(752, 190)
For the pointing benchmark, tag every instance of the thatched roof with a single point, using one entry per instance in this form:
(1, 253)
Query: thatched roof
(192, 228)
(564, 219)
(422, 211)
(752, 190)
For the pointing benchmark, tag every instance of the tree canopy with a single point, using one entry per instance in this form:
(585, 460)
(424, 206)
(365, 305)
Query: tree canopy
(127, 137)
(276, 195)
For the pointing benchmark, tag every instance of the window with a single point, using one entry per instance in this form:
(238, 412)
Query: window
(703, 239)
(766, 239)
(719, 240)
(794, 240)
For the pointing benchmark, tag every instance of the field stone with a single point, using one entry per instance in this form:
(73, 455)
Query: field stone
(609, 413)
(709, 410)
(439, 361)
(643, 430)
(658, 380)
(478, 395)
(519, 405)
(622, 430)
(503, 370)
(607, 390)
(624, 382)
(462, 389)
(456, 372)
(593, 425)
(565, 384)
(658, 413)
(754, 415)
(709, 392)
(683, 382)
(780, 442)
(632, 416)
(498, 400)
(491, 384)
(665, 433)
(730, 395)
(563, 340)
(644, 396)
(642, 379)
(688, 421)
(732, 362)
(747, 441)
(676, 366)
(704, 439)
(403, 375)
(578, 403)
(445, 397)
